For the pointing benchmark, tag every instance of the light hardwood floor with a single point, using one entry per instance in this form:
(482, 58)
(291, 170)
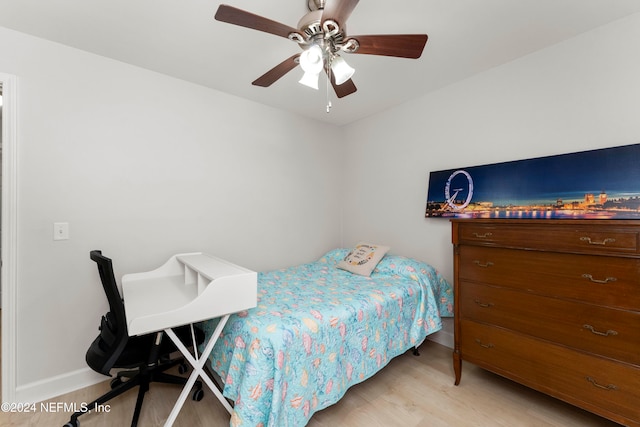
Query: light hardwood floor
(412, 391)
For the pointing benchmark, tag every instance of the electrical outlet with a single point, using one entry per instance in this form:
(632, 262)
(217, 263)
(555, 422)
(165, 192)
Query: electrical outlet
(60, 231)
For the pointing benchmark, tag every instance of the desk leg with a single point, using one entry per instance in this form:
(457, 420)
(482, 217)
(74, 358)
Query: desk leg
(198, 364)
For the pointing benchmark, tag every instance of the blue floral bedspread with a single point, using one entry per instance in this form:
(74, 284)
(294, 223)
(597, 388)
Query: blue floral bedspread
(317, 330)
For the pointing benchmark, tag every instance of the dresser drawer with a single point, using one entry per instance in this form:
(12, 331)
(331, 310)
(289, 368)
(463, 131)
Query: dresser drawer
(602, 280)
(566, 237)
(608, 332)
(596, 384)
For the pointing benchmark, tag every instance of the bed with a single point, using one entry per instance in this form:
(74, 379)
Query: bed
(317, 330)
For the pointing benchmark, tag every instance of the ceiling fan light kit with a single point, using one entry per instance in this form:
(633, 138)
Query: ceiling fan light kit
(322, 35)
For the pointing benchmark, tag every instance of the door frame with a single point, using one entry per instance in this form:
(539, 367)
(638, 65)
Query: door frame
(9, 243)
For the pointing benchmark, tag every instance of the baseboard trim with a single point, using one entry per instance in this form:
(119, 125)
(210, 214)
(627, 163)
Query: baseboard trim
(442, 337)
(49, 388)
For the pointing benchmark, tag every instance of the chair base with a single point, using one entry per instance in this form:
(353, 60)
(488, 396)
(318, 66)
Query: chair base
(142, 378)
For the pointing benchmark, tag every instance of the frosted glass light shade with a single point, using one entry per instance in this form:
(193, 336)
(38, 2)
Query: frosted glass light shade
(311, 59)
(341, 70)
(310, 80)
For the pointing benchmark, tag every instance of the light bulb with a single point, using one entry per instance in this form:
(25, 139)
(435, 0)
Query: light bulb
(311, 59)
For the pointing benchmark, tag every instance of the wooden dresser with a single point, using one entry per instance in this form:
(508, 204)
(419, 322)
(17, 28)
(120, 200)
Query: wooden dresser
(554, 305)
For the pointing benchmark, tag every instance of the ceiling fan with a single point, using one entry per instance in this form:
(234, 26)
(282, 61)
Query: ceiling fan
(322, 35)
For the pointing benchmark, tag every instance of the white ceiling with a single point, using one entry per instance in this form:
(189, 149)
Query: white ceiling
(180, 38)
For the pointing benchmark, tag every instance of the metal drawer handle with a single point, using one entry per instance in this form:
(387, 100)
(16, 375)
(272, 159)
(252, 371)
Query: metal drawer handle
(606, 280)
(483, 304)
(482, 236)
(604, 334)
(482, 264)
(601, 242)
(484, 345)
(604, 387)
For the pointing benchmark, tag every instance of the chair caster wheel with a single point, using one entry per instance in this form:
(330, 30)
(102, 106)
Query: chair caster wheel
(75, 423)
(183, 368)
(115, 382)
(198, 395)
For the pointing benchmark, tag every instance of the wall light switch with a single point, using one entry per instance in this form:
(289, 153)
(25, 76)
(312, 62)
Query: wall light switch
(60, 231)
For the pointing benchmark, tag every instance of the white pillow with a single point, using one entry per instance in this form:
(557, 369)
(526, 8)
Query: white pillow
(363, 258)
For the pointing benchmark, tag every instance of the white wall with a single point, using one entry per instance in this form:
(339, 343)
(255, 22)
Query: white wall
(0, 172)
(578, 95)
(143, 166)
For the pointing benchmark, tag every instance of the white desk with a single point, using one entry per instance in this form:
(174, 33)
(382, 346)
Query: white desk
(188, 288)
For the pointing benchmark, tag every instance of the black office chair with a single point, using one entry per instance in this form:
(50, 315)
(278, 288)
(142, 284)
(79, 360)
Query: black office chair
(147, 356)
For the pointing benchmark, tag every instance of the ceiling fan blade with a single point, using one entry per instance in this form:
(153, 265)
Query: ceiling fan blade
(271, 76)
(398, 45)
(338, 10)
(346, 88)
(240, 17)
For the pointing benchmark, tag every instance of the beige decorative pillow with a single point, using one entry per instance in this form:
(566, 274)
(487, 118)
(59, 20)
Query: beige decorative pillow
(363, 258)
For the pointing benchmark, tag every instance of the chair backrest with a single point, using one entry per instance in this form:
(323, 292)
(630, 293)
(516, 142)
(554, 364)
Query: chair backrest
(108, 346)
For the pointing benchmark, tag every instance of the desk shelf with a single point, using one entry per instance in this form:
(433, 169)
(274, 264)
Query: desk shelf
(188, 288)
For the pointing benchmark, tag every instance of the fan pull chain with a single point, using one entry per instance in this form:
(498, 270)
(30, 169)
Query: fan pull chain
(328, 100)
